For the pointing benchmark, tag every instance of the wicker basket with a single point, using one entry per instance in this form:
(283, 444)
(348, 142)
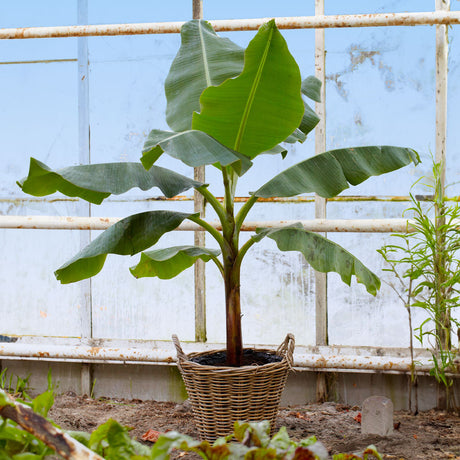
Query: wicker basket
(222, 395)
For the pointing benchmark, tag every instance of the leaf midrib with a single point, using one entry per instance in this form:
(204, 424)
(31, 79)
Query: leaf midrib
(250, 101)
(205, 58)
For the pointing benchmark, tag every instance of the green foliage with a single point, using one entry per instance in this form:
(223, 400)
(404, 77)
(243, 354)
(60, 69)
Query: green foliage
(427, 262)
(251, 441)
(18, 444)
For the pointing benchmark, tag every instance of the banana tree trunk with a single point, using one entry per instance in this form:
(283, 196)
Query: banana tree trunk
(233, 314)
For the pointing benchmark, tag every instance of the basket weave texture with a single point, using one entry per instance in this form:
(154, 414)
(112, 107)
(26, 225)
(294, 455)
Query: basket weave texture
(222, 395)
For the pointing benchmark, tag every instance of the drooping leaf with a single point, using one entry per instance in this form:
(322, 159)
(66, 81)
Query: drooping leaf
(96, 182)
(276, 150)
(322, 254)
(127, 237)
(204, 59)
(168, 263)
(194, 148)
(296, 136)
(261, 107)
(309, 120)
(311, 87)
(329, 173)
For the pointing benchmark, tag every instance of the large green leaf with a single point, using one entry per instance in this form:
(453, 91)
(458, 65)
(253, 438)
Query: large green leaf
(329, 173)
(96, 182)
(322, 254)
(127, 237)
(204, 59)
(261, 107)
(168, 263)
(194, 148)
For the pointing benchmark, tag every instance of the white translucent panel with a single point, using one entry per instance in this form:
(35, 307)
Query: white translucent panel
(107, 11)
(39, 120)
(147, 308)
(387, 6)
(33, 302)
(367, 210)
(357, 318)
(238, 9)
(453, 113)
(380, 91)
(31, 13)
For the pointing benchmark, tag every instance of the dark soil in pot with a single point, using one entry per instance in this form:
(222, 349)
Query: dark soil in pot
(250, 358)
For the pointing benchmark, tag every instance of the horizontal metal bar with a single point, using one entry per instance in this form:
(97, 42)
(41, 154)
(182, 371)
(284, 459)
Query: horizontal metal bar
(314, 225)
(299, 22)
(38, 61)
(238, 199)
(325, 358)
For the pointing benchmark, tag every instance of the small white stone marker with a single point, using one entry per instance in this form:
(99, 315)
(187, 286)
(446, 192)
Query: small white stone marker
(377, 416)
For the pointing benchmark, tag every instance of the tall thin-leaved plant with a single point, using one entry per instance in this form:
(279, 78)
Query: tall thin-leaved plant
(426, 262)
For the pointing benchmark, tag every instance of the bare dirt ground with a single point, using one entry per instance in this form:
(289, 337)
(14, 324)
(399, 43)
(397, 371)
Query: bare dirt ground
(428, 435)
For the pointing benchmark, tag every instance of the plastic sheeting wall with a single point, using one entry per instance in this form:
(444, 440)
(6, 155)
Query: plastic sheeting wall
(380, 90)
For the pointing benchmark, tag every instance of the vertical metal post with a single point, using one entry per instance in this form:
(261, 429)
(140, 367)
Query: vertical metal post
(441, 87)
(320, 146)
(199, 206)
(442, 329)
(84, 157)
(320, 203)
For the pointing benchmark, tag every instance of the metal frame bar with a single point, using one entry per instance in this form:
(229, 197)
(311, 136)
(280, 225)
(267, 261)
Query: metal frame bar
(320, 203)
(313, 225)
(231, 25)
(325, 358)
(199, 174)
(84, 157)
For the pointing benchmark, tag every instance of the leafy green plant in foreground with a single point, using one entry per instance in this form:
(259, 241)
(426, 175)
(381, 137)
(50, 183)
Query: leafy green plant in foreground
(112, 441)
(253, 442)
(229, 108)
(15, 442)
(427, 264)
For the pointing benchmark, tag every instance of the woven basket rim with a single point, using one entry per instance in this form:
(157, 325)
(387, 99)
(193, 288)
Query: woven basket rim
(189, 362)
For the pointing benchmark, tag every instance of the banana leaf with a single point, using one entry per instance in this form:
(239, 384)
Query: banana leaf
(168, 263)
(322, 254)
(248, 113)
(204, 59)
(194, 148)
(127, 237)
(96, 182)
(329, 173)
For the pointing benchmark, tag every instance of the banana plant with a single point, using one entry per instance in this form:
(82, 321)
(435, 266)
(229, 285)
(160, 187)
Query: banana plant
(226, 107)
